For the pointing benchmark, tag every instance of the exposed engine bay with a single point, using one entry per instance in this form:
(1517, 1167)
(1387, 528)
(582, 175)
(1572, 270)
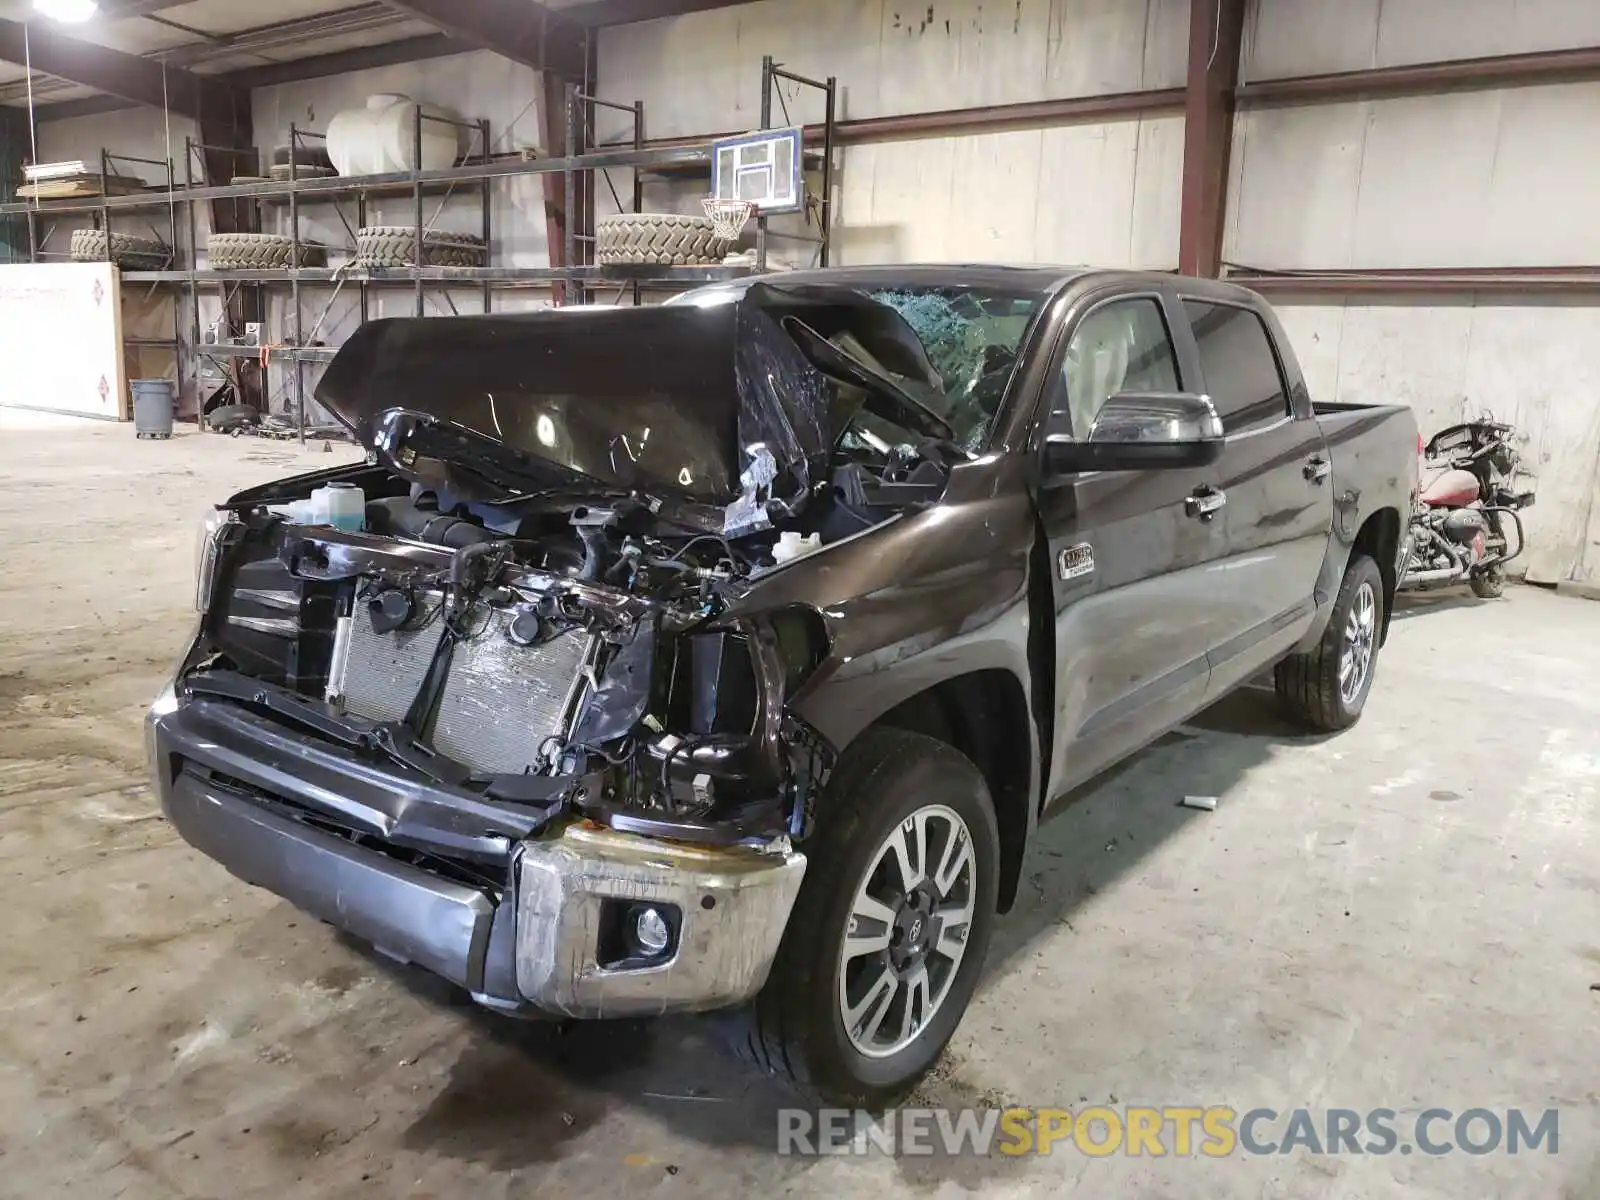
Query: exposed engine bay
(540, 617)
(585, 666)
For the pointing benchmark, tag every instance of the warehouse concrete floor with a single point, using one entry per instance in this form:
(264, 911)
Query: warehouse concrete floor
(1403, 916)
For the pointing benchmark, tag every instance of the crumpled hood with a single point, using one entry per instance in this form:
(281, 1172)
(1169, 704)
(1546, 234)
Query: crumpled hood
(710, 410)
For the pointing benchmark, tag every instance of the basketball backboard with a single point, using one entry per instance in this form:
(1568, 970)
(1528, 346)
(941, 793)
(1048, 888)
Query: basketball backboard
(763, 168)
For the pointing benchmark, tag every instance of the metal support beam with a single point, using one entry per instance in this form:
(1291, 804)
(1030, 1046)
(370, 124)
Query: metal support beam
(141, 80)
(14, 151)
(553, 139)
(993, 118)
(1433, 282)
(520, 30)
(1216, 29)
(1416, 79)
(228, 138)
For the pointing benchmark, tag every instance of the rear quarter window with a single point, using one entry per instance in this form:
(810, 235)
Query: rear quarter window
(1241, 369)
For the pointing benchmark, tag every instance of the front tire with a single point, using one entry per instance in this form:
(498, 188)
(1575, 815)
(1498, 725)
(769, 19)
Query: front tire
(1326, 687)
(886, 942)
(1488, 585)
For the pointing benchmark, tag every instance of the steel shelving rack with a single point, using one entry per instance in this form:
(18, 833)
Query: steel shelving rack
(479, 169)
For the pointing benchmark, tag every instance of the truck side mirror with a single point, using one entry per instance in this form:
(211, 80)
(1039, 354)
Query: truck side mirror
(1141, 431)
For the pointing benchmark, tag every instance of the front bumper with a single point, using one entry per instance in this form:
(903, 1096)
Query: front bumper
(349, 843)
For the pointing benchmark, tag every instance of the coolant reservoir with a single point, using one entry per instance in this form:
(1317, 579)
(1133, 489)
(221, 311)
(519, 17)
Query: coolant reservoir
(342, 505)
(298, 512)
(791, 545)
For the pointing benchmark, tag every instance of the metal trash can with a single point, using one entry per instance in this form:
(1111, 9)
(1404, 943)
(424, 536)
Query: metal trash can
(152, 407)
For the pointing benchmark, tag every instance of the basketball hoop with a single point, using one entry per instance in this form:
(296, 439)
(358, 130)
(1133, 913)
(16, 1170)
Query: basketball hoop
(728, 217)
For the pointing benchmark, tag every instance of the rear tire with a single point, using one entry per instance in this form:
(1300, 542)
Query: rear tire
(1325, 688)
(1488, 585)
(890, 785)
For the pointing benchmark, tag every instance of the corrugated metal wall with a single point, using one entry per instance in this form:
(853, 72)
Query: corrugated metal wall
(1492, 178)
(1103, 192)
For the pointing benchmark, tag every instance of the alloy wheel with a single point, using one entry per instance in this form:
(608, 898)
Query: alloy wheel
(1360, 636)
(907, 931)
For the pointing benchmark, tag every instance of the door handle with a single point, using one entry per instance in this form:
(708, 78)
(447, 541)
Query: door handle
(1204, 502)
(1317, 469)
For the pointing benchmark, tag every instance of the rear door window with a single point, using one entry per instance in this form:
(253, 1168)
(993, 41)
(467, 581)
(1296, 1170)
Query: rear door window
(1240, 368)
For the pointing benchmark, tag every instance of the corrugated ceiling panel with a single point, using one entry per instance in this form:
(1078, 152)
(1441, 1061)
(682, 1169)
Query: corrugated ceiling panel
(349, 41)
(399, 31)
(229, 16)
(134, 37)
(65, 93)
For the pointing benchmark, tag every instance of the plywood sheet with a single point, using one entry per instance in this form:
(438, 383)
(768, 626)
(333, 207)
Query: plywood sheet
(61, 339)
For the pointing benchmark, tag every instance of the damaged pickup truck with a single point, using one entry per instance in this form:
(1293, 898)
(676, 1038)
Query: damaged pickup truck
(726, 654)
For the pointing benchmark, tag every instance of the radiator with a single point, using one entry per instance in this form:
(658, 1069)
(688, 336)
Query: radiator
(378, 675)
(500, 701)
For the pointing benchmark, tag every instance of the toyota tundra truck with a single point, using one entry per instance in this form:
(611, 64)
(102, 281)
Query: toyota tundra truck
(726, 654)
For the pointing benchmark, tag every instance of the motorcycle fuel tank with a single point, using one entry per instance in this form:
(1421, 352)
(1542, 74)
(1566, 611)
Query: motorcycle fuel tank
(1451, 489)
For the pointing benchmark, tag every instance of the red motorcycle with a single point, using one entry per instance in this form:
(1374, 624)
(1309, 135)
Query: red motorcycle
(1465, 525)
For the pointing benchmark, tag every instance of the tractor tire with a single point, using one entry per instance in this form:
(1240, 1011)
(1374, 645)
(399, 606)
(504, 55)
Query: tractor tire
(259, 252)
(280, 172)
(660, 239)
(133, 253)
(395, 246)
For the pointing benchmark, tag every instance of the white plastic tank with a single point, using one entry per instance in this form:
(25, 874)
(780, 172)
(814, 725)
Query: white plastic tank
(381, 137)
(341, 505)
(790, 545)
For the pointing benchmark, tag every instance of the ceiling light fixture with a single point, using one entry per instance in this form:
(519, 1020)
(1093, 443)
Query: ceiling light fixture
(68, 12)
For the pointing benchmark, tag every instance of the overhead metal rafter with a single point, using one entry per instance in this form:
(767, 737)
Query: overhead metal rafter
(520, 30)
(254, 40)
(118, 10)
(140, 80)
(599, 13)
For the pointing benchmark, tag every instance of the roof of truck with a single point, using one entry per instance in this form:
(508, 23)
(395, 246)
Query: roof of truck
(1035, 279)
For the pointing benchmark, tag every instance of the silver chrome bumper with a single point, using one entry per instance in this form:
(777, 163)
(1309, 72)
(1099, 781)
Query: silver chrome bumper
(539, 946)
(733, 904)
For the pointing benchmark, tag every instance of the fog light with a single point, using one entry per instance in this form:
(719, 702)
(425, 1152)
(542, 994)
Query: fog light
(650, 930)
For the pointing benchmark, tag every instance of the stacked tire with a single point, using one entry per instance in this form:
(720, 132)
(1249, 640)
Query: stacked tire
(131, 253)
(396, 246)
(259, 252)
(284, 172)
(658, 239)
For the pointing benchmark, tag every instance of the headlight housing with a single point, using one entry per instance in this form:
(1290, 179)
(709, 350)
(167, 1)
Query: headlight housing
(213, 533)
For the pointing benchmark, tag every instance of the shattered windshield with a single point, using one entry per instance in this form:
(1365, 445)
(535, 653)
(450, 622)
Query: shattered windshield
(972, 336)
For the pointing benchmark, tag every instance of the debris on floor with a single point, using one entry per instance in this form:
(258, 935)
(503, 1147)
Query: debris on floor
(1208, 803)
